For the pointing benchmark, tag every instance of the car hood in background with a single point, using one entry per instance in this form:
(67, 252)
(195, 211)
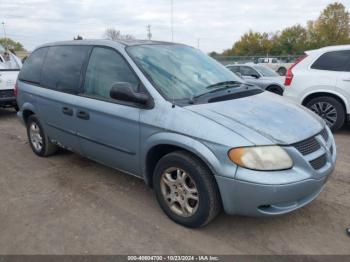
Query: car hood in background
(269, 115)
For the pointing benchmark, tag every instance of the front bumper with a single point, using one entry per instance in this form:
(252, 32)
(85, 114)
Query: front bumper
(258, 200)
(259, 193)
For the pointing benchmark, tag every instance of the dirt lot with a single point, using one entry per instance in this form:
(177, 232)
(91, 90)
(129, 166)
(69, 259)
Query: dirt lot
(66, 204)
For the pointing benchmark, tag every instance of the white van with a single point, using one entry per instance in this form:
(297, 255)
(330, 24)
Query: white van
(10, 65)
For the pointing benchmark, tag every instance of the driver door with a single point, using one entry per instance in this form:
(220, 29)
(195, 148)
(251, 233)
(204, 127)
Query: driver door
(108, 129)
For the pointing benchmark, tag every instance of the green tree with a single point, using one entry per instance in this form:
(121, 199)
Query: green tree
(332, 27)
(11, 44)
(251, 43)
(291, 41)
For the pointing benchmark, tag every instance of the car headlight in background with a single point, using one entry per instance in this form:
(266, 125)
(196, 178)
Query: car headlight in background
(266, 158)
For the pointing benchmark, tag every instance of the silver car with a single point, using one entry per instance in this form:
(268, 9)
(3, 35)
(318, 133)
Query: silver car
(261, 76)
(179, 120)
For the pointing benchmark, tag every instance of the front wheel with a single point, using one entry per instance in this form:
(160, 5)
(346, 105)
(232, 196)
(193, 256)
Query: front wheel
(330, 109)
(186, 189)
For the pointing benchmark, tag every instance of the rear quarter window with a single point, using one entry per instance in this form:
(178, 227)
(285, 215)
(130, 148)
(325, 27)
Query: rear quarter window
(31, 69)
(333, 61)
(63, 67)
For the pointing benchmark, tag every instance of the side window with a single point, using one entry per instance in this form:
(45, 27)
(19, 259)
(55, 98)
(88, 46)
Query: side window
(248, 71)
(234, 69)
(333, 61)
(62, 68)
(106, 66)
(31, 69)
(274, 61)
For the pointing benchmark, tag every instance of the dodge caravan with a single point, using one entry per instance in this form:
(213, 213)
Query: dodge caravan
(198, 135)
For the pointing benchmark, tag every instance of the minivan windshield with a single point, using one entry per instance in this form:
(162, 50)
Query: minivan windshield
(179, 71)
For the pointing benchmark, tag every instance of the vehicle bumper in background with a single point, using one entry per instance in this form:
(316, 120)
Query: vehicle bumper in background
(7, 98)
(259, 200)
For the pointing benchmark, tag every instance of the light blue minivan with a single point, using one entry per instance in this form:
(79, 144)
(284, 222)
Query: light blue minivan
(169, 114)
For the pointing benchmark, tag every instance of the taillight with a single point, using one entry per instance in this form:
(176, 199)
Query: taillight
(15, 90)
(289, 74)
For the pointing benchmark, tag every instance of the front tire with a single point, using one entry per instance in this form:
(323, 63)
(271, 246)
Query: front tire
(330, 109)
(38, 139)
(186, 189)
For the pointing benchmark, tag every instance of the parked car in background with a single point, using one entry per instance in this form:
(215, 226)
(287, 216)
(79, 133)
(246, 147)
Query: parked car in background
(10, 65)
(261, 76)
(169, 114)
(321, 81)
(275, 64)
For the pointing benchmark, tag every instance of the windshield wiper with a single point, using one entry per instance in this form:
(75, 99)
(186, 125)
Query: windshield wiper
(225, 83)
(218, 87)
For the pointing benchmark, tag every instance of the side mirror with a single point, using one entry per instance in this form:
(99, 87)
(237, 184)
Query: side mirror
(255, 76)
(123, 91)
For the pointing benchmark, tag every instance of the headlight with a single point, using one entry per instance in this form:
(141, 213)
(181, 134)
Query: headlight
(266, 158)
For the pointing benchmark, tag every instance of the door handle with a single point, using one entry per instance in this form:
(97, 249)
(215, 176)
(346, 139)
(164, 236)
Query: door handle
(83, 115)
(67, 111)
(346, 79)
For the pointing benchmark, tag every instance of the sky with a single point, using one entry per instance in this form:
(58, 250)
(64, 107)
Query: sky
(213, 24)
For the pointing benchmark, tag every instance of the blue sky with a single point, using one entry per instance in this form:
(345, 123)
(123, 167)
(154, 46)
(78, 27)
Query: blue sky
(216, 23)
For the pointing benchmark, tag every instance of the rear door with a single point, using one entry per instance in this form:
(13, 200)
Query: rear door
(109, 129)
(61, 78)
(343, 79)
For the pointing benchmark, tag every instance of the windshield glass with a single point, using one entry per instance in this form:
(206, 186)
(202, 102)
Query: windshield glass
(266, 71)
(178, 71)
(8, 61)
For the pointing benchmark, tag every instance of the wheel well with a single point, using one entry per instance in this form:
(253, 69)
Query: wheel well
(26, 114)
(156, 153)
(315, 95)
(275, 89)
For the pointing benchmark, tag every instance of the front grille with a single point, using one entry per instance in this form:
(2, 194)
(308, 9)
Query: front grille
(324, 134)
(6, 93)
(307, 146)
(319, 162)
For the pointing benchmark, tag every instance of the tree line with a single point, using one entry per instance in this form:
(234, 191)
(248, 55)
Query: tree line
(331, 28)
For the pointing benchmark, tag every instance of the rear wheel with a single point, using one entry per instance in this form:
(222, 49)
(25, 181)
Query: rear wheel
(38, 140)
(330, 109)
(282, 71)
(275, 89)
(186, 189)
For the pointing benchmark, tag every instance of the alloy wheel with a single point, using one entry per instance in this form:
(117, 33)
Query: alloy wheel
(179, 192)
(327, 111)
(35, 137)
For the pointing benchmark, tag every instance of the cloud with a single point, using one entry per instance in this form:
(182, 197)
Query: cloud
(216, 23)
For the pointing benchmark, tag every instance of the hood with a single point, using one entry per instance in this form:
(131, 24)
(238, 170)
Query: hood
(268, 115)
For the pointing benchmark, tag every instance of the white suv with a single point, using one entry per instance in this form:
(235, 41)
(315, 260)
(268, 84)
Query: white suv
(320, 80)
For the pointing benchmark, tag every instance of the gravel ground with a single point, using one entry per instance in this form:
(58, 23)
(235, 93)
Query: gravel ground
(66, 204)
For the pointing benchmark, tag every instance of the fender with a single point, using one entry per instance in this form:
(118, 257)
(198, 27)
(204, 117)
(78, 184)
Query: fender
(188, 143)
(26, 106)
(330, 91)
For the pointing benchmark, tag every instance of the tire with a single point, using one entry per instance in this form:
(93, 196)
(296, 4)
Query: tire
(35, 131)
(275, 89)
(16, 108)
(282, 71)
(198, 177)
(330, 109)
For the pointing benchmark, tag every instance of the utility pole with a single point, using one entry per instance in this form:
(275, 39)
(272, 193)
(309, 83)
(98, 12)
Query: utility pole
(149, 33)
(172, 20)
(3, 26)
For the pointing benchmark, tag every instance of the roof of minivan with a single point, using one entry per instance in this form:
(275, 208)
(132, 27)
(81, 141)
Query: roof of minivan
(132, 42)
